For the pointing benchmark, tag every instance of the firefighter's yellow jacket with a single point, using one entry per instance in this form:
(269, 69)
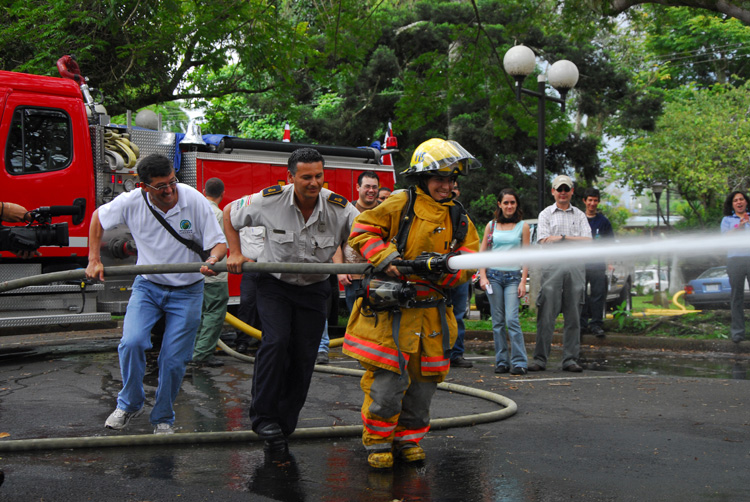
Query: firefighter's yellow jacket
(371, 339)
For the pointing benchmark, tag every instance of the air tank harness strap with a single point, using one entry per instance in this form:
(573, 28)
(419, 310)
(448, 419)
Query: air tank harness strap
(396, 324)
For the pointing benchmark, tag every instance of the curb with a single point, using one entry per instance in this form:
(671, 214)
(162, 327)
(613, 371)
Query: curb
(634, 342)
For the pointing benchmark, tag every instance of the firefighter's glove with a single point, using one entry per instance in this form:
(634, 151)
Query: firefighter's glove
(432, 265)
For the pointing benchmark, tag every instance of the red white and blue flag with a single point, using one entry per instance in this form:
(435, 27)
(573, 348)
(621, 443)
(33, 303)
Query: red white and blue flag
(388, 142)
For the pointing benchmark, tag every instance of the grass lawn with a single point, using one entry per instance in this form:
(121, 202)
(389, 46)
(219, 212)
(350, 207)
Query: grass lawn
(646, 318)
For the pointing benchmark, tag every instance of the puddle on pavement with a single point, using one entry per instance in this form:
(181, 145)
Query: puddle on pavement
(720, 365)
(670, 364)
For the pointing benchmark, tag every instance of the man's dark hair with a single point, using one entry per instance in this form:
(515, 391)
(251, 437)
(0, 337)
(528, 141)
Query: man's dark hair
(517, 216)
(304, 155)
(367, 174)
(153, 166)
(384, 189)
(214, 188)
(592, 192)
(729, 207)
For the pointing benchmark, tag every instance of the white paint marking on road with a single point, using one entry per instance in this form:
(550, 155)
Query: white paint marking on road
(599, 377)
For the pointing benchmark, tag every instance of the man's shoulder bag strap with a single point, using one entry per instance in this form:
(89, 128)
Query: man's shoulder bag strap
(187, 242)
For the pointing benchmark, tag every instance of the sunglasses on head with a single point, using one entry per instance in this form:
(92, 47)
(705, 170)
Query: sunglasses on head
(563, 188)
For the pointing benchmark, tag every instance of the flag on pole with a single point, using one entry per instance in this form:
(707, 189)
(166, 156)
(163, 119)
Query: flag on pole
(389, 142)
(287, 134)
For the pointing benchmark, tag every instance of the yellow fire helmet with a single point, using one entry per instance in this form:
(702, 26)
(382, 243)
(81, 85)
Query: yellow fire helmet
(442, 158)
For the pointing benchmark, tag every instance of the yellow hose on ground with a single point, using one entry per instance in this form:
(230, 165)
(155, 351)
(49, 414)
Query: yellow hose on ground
(246, 328)
(681, 309)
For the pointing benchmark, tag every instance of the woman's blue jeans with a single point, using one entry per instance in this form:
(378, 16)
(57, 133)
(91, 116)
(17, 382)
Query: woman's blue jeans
(504, 306)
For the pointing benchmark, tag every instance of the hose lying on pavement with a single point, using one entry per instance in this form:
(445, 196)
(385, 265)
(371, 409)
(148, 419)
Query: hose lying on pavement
(509, 406)
(509, 409)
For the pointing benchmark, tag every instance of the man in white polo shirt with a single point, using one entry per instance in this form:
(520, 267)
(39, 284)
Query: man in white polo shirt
(177, 297)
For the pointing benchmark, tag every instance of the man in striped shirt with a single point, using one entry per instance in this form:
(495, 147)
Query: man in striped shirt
(563, 287)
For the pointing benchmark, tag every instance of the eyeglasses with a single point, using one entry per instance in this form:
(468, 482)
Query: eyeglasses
(161, 188)
(563, 188)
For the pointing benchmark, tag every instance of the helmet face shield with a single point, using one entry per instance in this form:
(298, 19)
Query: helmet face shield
(440, 157)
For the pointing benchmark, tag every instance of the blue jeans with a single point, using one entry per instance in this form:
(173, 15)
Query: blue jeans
(351, 293)
(325, 341)
(181, 308)
(504, 306)
(459, 297)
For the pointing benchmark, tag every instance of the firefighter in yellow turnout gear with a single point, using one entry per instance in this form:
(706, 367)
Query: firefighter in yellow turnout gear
(405, 350)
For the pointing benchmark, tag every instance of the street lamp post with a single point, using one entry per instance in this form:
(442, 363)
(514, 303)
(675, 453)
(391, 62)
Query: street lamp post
(519, 62)
(658, 188)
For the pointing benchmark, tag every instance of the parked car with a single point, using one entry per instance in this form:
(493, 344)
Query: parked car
(711, 290)
(619, 286)
(647, 278)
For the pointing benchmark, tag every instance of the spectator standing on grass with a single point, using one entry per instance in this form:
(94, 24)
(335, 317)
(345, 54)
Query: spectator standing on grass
(736, 219)
(507, 285)
(592, 316)
(563, 285)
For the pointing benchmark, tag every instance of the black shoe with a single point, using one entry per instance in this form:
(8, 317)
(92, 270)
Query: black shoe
(598, 331)
(322, 358)
(242, 347)
(275, 443)
(501, 369)
(574, 368)
(536, 367)
(518, 370)
(276, 450)
(460, 362)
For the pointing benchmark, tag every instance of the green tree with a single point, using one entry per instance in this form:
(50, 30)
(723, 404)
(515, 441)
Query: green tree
(687, 46)
(738, 10)
(700, 146)
(142, 52)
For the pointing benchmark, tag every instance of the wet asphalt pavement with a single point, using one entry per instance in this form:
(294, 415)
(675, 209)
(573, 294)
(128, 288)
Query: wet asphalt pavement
(607, 434)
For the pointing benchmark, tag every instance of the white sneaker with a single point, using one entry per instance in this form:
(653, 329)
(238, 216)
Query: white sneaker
(164, 428)
(119, 418)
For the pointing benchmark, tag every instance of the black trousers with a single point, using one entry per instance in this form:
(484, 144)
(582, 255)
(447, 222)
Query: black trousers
(247, 311)
(293, 319)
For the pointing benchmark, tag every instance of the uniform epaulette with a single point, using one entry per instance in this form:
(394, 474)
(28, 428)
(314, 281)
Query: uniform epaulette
(337, 199)
(274, 190)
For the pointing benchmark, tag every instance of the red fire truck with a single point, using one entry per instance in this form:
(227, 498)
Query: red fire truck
(60, 149)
